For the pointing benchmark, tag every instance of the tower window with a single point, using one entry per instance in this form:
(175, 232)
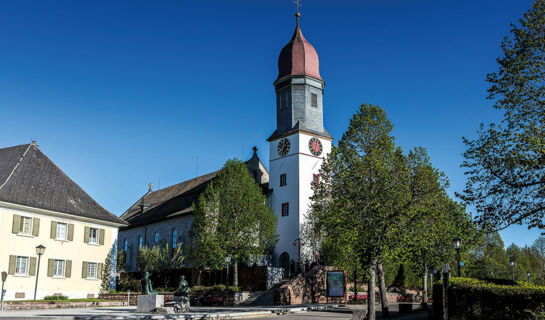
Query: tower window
(316, 179)
(314, 99)
(285, 209)
(283, 180)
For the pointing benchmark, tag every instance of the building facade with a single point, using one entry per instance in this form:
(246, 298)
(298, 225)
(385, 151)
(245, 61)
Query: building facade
(41, 206)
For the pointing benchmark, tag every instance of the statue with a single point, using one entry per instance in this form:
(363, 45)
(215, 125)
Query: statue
(181, 296)
(147, 289)
(183, 288)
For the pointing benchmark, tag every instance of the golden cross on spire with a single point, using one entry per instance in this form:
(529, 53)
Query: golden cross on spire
(299, 5)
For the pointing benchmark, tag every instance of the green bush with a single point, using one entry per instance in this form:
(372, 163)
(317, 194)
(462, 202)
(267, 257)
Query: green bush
(55, 298)
(218, 287)
(470, 299)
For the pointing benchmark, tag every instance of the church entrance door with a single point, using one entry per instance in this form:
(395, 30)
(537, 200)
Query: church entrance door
(285, 264)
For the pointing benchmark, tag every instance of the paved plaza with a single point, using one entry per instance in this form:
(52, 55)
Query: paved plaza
(321, 312)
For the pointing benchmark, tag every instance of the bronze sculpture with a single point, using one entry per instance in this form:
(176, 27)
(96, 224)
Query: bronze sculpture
(147, 288)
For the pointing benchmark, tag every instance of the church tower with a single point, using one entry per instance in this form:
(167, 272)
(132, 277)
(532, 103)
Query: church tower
(299, 144)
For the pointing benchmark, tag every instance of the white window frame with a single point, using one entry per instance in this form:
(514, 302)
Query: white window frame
(27, 266)
(89, 275)
(95, 239)
(22, 224)
(59, 224)
(63, 266)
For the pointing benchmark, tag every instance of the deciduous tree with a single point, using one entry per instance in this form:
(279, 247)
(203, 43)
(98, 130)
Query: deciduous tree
(232, 217)
(506, 162)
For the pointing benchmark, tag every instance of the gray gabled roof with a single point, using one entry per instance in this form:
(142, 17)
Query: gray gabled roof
(28, 177)
(178, 200)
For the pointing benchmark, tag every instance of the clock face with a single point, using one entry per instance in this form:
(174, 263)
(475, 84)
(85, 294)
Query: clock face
(283, 147)
(315, 146)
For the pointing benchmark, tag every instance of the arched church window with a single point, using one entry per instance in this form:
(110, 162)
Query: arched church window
(156, 237)
(140, 243)
(174, 238)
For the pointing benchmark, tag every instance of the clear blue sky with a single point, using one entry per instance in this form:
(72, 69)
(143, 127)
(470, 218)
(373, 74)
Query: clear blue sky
(122, 93)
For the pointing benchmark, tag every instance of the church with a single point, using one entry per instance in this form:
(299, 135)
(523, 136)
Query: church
(298, 146)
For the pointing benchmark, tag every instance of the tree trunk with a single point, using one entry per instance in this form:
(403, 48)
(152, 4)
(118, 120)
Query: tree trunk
(199, 277)
(355, 285)
(425, 286)
(371, 315)
(235, 274)
(383, 293)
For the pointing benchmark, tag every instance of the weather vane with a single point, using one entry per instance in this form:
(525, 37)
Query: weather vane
(299, 5)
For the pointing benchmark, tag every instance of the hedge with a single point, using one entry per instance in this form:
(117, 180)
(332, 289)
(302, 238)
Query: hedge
(470, 299)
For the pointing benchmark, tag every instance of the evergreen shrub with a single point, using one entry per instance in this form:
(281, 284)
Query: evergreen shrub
(470, 299)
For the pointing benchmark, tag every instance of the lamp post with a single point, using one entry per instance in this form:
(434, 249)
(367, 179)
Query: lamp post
(528, 275)
(512, 264)
(297, 242)
(228, 261)
(4, 277)
(457, 243)
(431, 271)
(39, 251)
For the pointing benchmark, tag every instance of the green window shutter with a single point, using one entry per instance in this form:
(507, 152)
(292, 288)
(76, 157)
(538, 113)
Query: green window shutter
(36, 227)
(16, 224)
(100, 269)
(70, 232)
(11, 268)
(84, 270)
(86, 235)
(32, 270)
(68, 270)
(53, 233)
(101, 240)
(50, 267)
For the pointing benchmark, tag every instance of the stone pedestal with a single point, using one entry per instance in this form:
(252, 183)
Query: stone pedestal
(149, 303)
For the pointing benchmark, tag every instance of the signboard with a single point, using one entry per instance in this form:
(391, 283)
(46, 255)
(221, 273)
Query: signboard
(335, 284)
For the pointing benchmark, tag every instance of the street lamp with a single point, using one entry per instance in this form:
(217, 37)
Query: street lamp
(297, 242)
(431, 270)
(39, 251)
(512, 264)
(457, 243)
(228, 261)
(528, 275)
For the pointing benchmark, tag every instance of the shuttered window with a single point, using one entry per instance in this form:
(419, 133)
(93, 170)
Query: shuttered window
(21, 266)
(59, 267)
(62, 231)
(25, 225)
(93, 235)
(92, 270)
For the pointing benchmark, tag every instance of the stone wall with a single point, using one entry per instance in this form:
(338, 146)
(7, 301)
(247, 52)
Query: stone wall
(308, 288)
(30, 305)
